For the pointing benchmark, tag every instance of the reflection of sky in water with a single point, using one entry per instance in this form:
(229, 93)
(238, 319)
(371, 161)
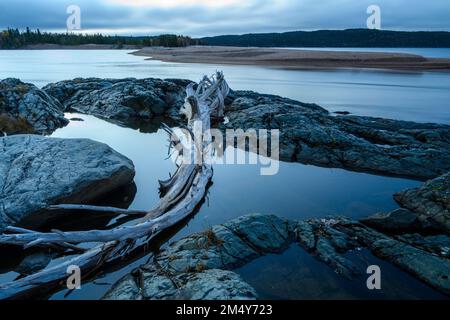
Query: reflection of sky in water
(420, 97)
(297, 191)
(279, 276)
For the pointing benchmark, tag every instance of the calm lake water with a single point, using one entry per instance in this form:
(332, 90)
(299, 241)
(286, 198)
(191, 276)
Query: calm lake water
(422, 97)
(297, 191)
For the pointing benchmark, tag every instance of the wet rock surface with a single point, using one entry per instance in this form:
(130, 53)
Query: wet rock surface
(430, 266)
(37, 171)
(238, 242)
(204, 258)
(310, 134)
(151, 284)
(430, 203)
(26, 109)
(395, 222)
(121, 99)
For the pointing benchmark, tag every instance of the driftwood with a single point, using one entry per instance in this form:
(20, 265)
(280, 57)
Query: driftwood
(181, 194)
(84, 207)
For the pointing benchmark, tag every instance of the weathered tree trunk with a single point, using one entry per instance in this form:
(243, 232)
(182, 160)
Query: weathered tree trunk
(181, 194)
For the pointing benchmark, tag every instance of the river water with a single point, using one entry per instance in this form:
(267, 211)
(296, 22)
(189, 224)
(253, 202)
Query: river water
(297, 191)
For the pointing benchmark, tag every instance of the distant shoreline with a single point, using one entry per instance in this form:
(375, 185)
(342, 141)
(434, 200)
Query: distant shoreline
(295, 59)
(280, 58)
(46, 46)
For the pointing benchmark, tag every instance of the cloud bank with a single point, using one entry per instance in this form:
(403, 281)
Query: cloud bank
(207, 17)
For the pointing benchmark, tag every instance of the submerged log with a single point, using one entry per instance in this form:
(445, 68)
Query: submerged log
(182, 193)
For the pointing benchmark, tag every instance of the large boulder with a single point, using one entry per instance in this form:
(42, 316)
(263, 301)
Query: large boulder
(310, 134)
(121, 100)
(37, 171)
(24, 108)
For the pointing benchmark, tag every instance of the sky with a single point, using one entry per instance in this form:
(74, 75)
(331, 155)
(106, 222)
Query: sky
(199, 18)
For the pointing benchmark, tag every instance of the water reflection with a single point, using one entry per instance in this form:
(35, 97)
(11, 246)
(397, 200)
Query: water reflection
(295, 274)
(297, 191)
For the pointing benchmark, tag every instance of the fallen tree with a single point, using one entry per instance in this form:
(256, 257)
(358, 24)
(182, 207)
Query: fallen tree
(181, 194)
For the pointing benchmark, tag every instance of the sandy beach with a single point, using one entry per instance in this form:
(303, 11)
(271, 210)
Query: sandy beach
(295, 59)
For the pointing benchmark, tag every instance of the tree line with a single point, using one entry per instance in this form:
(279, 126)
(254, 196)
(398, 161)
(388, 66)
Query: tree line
(336, 38)
(15, 39)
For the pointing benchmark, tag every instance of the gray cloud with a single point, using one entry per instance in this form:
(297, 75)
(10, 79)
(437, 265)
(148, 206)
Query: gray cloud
(247, 16)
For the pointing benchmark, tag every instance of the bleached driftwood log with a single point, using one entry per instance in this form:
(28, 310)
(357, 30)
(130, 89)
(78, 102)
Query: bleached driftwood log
(84, 207)
(181, 194)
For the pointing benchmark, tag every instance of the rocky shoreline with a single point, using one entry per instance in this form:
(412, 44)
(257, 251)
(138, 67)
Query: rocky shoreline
(200, 266)
(40, 171)
(309, 133)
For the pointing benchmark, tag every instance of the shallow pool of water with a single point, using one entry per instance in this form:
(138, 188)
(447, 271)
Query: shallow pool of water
(298, 191)
(296, 275)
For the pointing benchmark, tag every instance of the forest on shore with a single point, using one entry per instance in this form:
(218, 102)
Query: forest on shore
(336, 38)
(16, 39)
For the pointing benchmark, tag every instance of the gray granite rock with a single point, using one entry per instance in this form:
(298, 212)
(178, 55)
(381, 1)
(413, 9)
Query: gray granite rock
(37, 171)
(438, 245)
(195, 267)
(395, 222)
(228, 246)
(34, 110)
(125, 289)
(311, 135)
(207, 285)
(430, 202)
(410, 253)
(121, 99)
(327, 244)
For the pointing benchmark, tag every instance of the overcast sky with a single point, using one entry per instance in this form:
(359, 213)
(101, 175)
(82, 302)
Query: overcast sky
(214, 17)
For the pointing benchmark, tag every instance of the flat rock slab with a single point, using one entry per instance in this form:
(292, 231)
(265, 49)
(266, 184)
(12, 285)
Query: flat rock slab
(27, 109)
(37, 172)
(310, 134)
